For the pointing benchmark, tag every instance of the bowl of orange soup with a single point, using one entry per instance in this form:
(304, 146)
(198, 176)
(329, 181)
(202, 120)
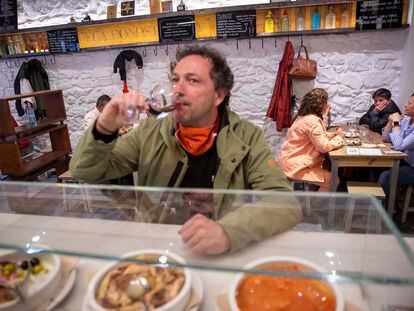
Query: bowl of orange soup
(250, 292)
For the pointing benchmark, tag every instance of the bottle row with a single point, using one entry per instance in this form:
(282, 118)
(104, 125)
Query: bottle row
(298, 19)
(24, 44)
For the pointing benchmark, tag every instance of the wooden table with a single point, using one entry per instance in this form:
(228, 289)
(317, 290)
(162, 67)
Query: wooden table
(340, 158)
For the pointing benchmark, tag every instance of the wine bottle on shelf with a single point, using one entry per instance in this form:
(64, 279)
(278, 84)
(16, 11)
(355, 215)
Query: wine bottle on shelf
(269, 22)
(330, 18)
(300, 21)
(316, 19)
(345, 18)
(181, 6)
(155, 6)
(284, 21)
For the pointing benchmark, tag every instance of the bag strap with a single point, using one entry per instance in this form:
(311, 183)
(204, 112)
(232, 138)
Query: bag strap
(306, 51)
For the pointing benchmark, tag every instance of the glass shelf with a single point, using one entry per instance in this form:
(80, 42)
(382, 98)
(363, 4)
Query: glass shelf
(364, 253)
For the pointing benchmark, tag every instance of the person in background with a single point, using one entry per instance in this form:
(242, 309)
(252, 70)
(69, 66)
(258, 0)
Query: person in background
(92, 115)
(302, 153)
(200, 144)
(400, 132)
(377, 115)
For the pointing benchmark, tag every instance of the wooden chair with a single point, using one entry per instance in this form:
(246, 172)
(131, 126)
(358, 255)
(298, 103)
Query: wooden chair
(362, 188)
(406, 207)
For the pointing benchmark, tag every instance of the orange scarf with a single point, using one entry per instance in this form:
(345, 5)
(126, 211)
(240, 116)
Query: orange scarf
(196, 140)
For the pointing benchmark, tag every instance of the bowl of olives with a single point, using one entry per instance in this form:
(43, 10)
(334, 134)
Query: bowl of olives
(28, 278)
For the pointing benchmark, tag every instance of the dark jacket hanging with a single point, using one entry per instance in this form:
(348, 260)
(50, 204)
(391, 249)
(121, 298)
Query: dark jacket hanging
(38, 79)
(119, 62)
(279, 108)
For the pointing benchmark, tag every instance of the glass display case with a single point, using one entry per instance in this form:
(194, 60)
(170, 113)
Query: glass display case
(346, 243)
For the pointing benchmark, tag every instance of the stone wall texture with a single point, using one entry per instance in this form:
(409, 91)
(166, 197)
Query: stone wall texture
(350, 66)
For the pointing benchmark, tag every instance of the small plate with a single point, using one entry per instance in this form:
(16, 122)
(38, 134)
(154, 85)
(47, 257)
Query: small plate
(351, 135)
(64, 291)
(196, 285)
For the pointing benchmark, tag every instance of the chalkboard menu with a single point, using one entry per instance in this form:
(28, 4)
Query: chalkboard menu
(63, 40)
(379, 14)
(241, 24)
(8, 15)
(179, 28)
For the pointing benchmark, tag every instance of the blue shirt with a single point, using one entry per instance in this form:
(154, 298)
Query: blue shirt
(402, 139)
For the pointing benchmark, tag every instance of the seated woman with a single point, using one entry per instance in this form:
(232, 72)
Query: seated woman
(400, 132)
(377, 116)
(307, 140)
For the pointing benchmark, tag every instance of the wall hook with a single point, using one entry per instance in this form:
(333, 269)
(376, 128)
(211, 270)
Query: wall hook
(17, 64)
(262, 43)
(145, 52)
(250, 44)
(167, 51)
(301, 40)
(275, 42)
(53, 60)
(9, 65)
(155, 51)
(237, 44)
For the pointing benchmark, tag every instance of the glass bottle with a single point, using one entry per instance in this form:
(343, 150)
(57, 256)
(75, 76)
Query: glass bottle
(269, 22)
(330, 18)
(378, 23)
(316, 19)
(284, 21)
(167, 5)
(20, 43)
(300, 21)
(181, 6)
(345, 18)
(10, 45)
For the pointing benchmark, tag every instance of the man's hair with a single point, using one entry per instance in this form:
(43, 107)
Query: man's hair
(313, 102)
(103, 100)
(220, 73)
(384, 93)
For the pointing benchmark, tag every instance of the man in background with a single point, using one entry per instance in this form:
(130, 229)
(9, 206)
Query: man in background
(92, 115)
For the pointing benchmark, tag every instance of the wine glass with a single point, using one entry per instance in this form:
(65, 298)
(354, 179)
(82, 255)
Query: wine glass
(353, 129)
(363, 130)
(159, 99)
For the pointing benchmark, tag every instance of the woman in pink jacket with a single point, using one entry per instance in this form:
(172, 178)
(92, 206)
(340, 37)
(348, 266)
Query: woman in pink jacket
(302, 153)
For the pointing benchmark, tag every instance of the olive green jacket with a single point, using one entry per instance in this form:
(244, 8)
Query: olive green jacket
(245, 163)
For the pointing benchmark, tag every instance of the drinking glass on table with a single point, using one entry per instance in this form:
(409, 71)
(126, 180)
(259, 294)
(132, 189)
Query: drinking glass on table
(353, 128)
(160, 100)
(363, 131)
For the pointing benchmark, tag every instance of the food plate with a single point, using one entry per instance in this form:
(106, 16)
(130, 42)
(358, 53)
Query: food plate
(107, 278)
(63, 292)
(351, 135)
(44, 277)
(196, 285)
(285, 263)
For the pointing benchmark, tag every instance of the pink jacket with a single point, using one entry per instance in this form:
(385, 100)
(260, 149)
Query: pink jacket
(301, 156)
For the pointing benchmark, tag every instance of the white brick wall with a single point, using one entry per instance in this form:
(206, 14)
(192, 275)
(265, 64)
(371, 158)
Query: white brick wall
(350, 66)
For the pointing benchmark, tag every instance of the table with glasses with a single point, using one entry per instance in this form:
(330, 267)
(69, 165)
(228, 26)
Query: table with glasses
(340, 158)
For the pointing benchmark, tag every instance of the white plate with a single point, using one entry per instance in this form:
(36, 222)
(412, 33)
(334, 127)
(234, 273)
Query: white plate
(196, 284)
(351, 135)
(64, 291)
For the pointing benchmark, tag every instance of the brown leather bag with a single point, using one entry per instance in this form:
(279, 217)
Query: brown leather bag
(303, 68)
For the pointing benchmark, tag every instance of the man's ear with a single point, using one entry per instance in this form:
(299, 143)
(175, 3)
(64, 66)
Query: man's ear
(220, 95)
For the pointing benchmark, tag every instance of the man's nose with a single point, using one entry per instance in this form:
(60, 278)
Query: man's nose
(176, 89)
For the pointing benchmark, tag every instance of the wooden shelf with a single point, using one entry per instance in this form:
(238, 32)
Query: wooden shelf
(11, 162)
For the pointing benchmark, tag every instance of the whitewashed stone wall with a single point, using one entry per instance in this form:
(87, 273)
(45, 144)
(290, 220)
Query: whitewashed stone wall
(350, 67)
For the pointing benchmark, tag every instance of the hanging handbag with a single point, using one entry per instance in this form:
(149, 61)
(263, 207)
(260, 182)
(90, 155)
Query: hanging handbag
(303, 68)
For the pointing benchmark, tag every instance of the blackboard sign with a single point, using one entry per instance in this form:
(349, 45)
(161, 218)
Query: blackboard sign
(179, 28)
(379, 14)
(8, 15)
(63, 40)
(240, 24)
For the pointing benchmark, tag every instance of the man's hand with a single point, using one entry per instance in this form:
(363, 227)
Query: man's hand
(204, 236)
(114, 115)
(395, 117)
